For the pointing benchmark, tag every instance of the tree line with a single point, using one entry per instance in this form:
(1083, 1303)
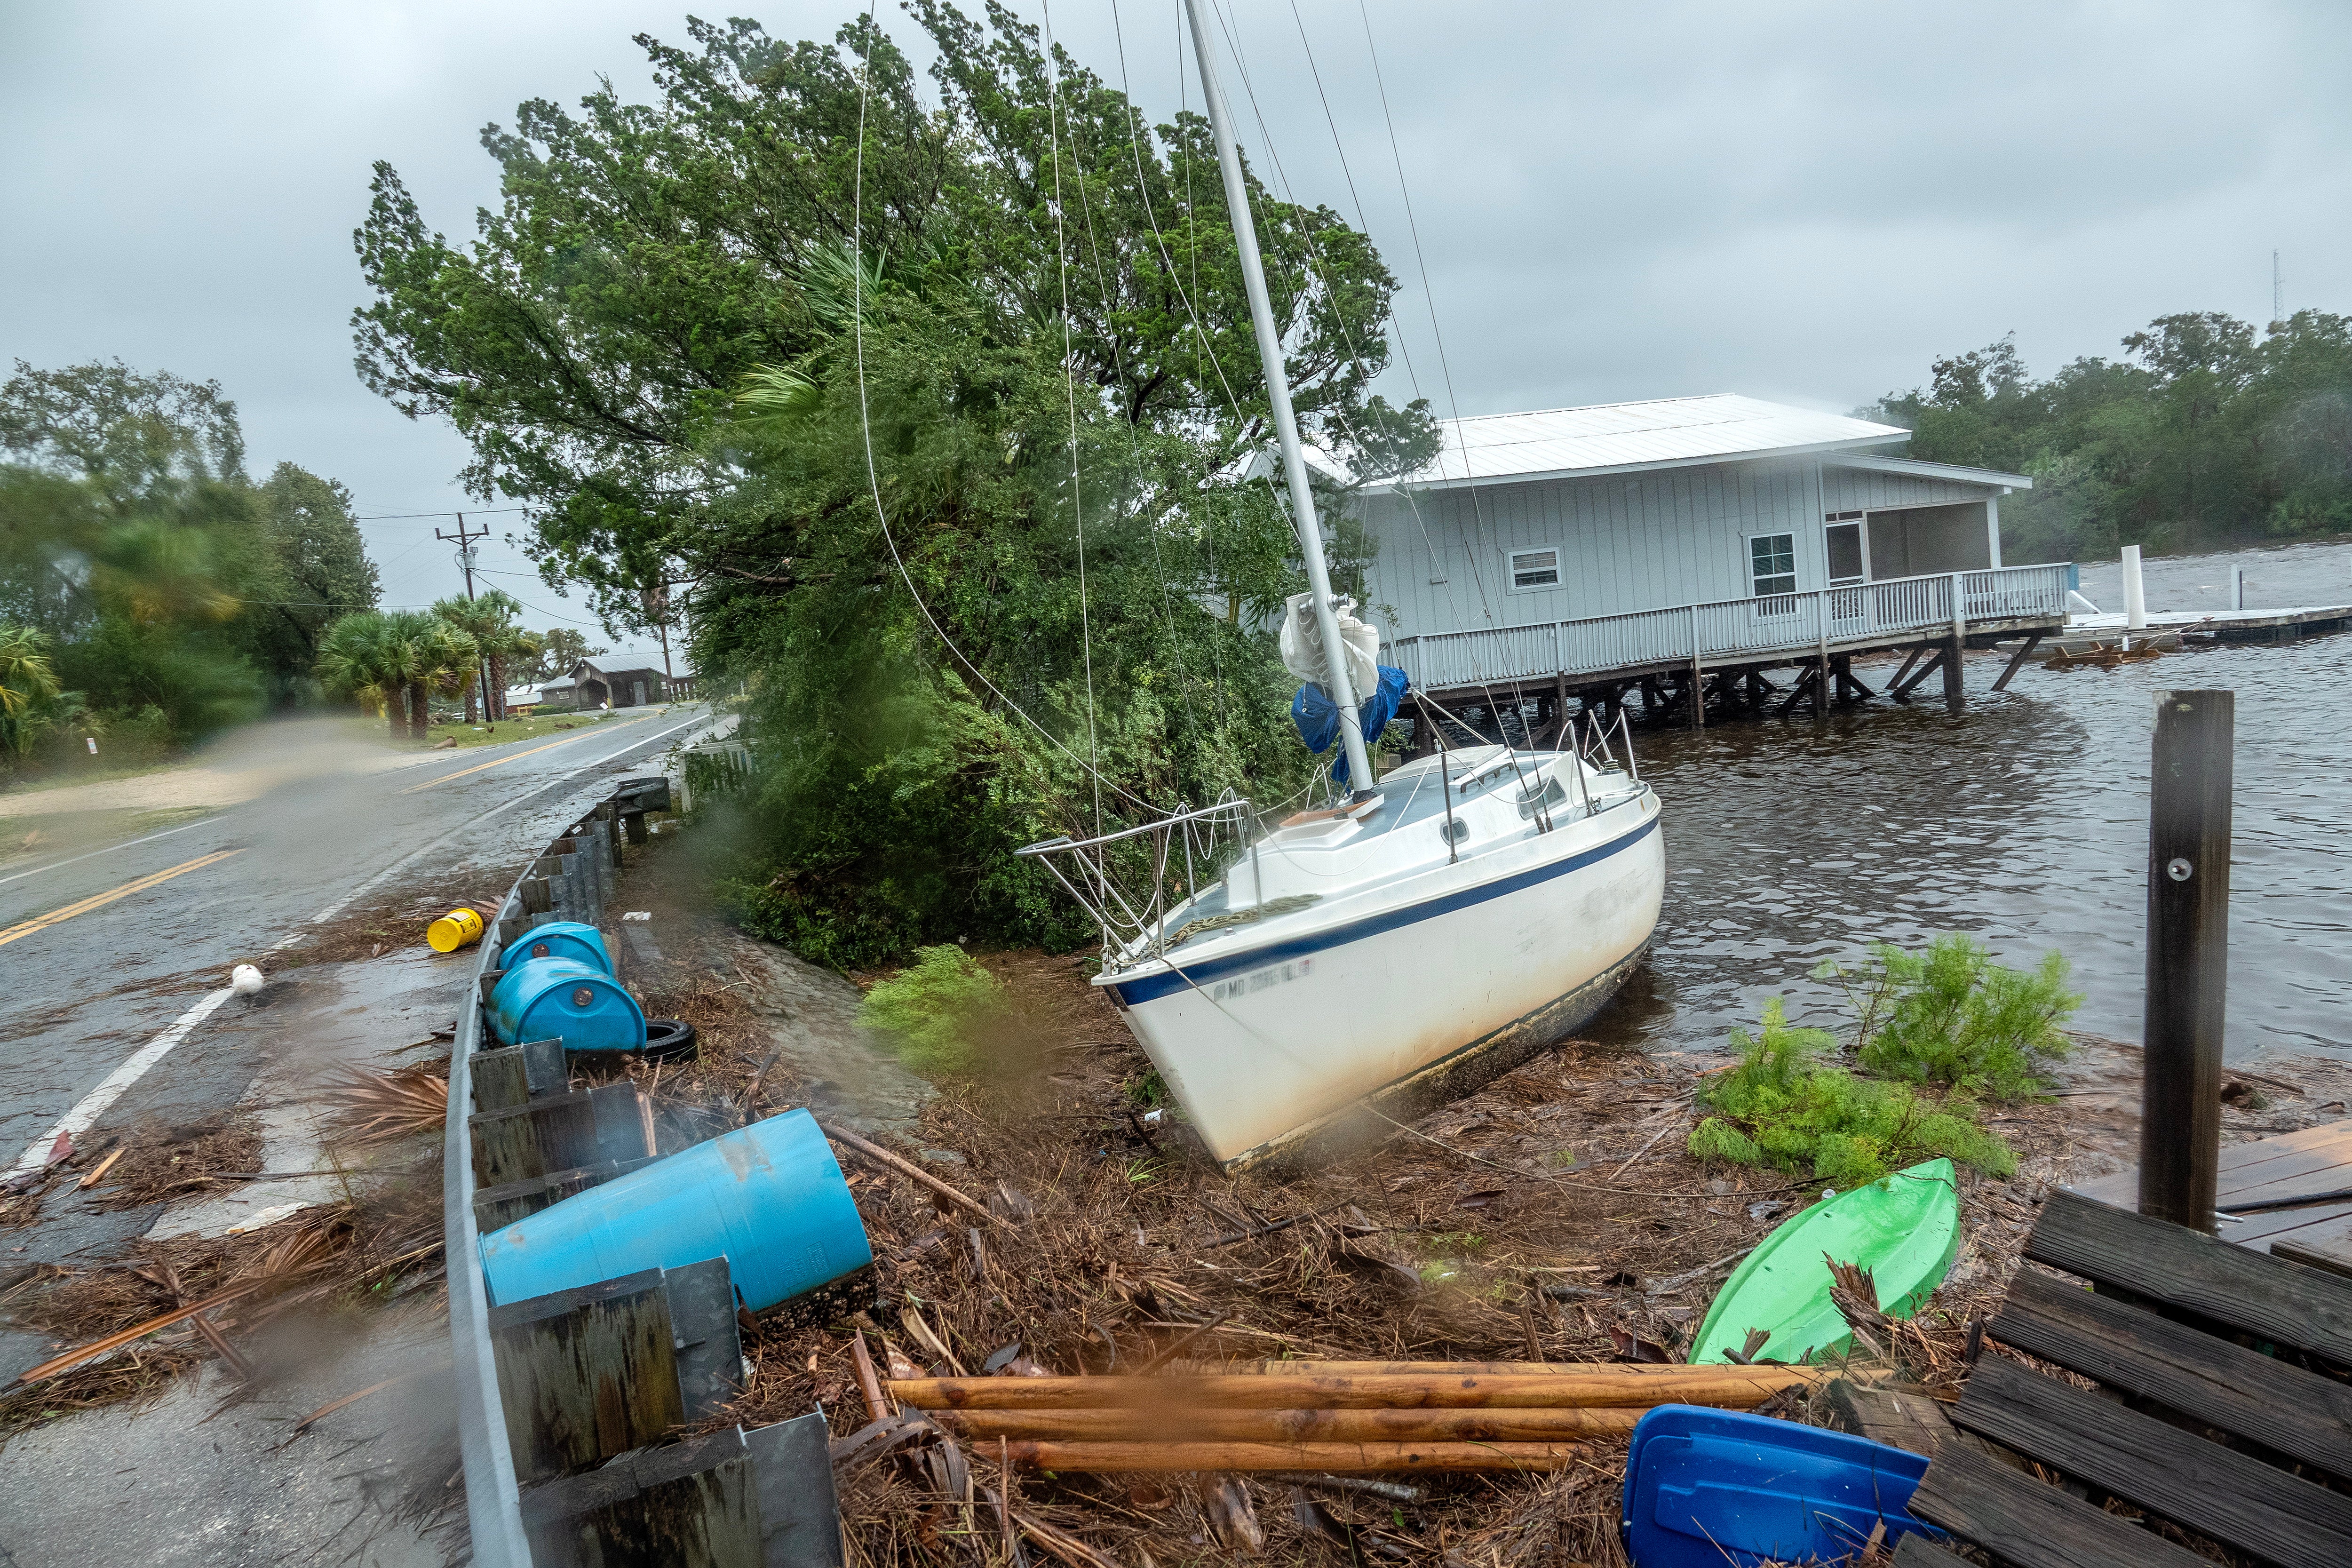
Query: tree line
(2206, 433)
(931, 432)
(151, 593)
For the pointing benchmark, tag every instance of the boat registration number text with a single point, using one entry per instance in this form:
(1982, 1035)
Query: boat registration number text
(1259, 979)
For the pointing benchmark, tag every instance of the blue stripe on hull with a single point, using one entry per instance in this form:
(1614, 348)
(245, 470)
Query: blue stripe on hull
(1151, 987)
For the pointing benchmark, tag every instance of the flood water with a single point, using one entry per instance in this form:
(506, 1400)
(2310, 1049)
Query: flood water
(2021, 820)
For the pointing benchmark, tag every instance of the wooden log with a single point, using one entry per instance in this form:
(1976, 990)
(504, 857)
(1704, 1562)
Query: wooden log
(1301, 1368)
(2024, 651)
(1251, 1426)
(1735, 1386)
(2191, 1272)
(2026, 1522)
(1337, 1459)
(586, 1375)
(2235, 1498)
(2188, 956)
(2277, 1405)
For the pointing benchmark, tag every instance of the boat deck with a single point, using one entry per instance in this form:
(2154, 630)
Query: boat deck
(2228, 625)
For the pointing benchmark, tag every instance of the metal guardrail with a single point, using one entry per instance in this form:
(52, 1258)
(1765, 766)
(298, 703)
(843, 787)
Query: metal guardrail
(1727, 630)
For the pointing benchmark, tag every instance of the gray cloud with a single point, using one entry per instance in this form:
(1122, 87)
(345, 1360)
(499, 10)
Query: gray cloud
(1805, 202)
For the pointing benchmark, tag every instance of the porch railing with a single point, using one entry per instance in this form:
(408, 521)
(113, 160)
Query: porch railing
(1731, 629)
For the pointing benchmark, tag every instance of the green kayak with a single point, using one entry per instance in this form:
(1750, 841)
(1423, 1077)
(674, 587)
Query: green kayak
(1904, 1228)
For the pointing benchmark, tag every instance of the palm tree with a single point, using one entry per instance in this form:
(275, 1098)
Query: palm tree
(490, 621)
(27, 683)
(439, 657)
(363, 654)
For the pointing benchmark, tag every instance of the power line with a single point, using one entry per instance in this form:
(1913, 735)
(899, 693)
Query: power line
(406, 516)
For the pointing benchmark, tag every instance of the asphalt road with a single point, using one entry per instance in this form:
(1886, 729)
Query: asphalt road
(114, 959)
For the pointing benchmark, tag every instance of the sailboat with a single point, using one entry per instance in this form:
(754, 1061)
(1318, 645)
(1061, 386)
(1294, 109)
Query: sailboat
(1301, 983)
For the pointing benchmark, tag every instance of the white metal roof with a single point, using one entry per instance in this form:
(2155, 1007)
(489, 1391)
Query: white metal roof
(1623, 437)
(1912, 466)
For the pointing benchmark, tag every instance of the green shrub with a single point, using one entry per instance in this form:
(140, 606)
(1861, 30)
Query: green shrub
(938, 1010)
(1780, 1106)
(1951, 1015)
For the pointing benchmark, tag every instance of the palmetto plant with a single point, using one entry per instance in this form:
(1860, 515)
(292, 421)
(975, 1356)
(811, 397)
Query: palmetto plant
(27, 684)
(383, 658)
(490, 621)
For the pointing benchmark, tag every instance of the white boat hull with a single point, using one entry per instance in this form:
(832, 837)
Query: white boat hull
(1460, 973)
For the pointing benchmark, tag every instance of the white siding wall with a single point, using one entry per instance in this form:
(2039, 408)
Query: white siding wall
(1631, 542)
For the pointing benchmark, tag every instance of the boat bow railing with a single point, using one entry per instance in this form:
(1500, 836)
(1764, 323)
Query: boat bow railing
(1131, 879)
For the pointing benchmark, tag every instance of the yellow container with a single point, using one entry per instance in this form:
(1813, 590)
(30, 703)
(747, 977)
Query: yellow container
(458, 928)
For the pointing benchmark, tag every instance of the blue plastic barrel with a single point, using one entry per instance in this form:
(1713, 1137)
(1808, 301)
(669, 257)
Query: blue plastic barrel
(562, 998)
(558, 939)
(769, 1196)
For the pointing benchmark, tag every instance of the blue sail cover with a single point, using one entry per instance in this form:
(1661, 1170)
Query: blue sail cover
(1318, 717)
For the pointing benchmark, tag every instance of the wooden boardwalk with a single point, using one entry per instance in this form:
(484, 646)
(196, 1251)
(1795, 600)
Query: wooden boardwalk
(2221, 1406)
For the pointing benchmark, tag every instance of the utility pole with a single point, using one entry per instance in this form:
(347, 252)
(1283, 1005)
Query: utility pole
(463, 541)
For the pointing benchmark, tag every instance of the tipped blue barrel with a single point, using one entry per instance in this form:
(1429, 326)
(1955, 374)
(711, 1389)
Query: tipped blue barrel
(558, 939)
(562, 998)
(768, 1197)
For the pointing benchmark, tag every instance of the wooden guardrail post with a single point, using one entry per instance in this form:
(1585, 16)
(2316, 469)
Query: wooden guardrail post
(2188, 956)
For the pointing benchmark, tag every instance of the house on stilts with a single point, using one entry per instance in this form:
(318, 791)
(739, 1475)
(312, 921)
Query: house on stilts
(1686, 553)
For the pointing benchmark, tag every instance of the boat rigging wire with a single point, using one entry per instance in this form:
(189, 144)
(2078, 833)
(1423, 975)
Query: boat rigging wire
(1070, 390)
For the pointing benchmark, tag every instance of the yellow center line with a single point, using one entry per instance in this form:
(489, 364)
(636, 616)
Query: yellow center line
(100, 900)
(518, 756)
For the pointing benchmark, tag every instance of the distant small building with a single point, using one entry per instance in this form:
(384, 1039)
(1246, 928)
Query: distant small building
(618, 682)
(560, 692)
(521, 699)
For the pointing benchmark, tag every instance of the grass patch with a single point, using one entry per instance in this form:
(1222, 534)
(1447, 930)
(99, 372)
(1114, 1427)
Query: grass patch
(938, 1010)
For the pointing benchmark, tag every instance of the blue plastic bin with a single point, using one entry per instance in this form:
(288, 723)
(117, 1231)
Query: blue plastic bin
(769, 1196)
(1708, 1488)
(562, 998)
(558, 939)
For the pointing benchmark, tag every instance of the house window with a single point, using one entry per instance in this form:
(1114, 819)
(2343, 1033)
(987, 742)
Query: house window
(1535, 570)
(1843, 543)
(1772, 563)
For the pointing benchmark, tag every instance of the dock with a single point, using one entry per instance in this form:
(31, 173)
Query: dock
(2290, 1196)
(2218, 625)
(1682, 661)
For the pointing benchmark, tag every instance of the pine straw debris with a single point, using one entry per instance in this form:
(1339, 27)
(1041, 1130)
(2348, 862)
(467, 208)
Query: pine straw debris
(375, 1108)
(1553, 1216)
(383, 1244)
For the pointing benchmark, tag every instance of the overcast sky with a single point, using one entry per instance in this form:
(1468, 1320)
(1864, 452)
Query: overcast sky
(1799, 202)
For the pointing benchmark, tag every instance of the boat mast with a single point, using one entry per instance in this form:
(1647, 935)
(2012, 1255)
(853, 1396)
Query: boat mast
(1285, 423)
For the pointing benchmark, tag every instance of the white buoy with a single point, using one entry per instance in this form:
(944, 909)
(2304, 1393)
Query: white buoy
(245, 980)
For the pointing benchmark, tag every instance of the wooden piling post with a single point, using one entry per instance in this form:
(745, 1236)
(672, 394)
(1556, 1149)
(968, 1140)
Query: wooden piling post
(2188, 956)
(1959, 643)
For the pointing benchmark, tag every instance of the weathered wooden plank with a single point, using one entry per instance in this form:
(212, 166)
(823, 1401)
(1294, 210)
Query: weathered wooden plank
(692, 1505)
(586, 1375)
(2236, 1499)
(561, 1133)
(2184, 1269)
(2188, 956)
(495, 1208)
(514, 1074)
(2022, 1521)
(2215, 1381)
(1915, 1551)
(1898, 1417)
(800, 1514)
(2312, 1159)
(2331, 1251)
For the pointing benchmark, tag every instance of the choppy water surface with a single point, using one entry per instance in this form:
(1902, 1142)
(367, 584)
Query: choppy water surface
(2021, 820)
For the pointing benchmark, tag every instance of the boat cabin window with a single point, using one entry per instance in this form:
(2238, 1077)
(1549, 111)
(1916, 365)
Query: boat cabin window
(1842, 541)
(1533, 570)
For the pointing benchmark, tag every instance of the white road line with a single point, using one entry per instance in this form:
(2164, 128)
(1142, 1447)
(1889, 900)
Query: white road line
(110, 849)
(85, 1115)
